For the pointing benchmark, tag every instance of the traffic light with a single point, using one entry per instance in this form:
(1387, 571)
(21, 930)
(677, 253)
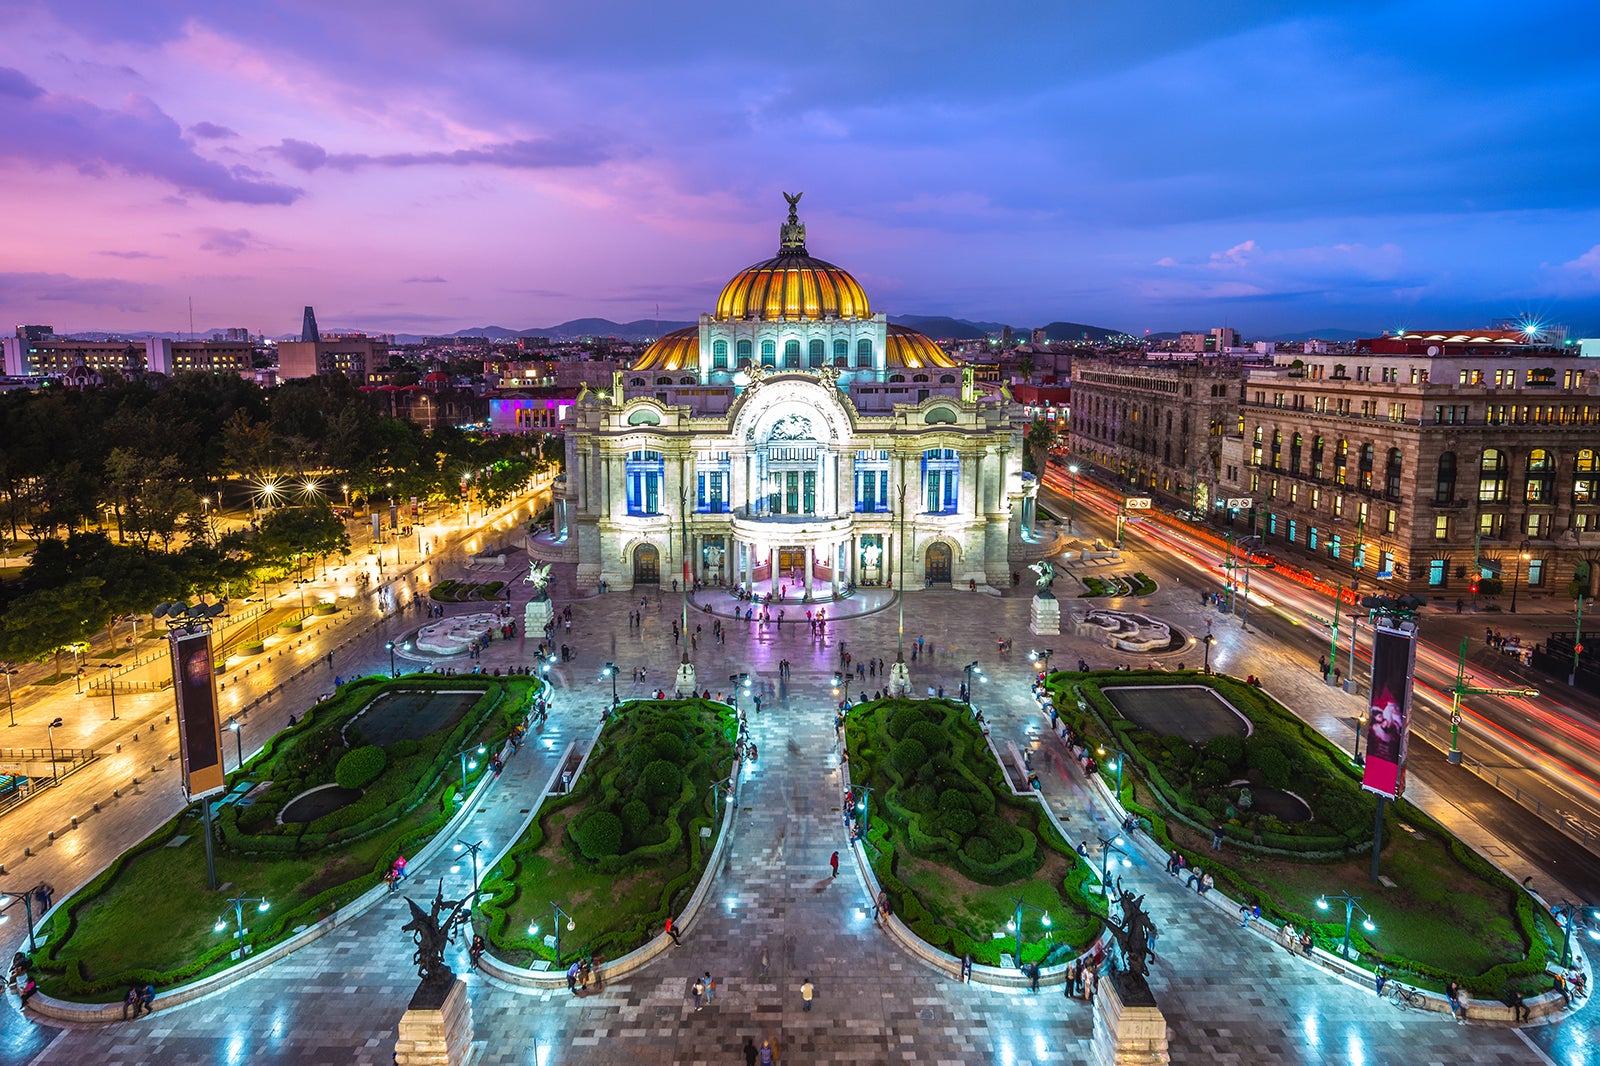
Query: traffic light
(1473, 588)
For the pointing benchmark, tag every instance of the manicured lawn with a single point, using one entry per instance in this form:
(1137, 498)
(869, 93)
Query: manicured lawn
(952, 845)
(622, 850)
(150, 916)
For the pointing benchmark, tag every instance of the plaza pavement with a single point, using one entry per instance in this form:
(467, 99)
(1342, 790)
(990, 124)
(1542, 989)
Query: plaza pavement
(1229, 997)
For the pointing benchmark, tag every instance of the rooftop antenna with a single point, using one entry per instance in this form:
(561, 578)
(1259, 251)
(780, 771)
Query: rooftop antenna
(191, 318)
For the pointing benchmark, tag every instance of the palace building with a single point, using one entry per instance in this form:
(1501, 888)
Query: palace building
(795, 437)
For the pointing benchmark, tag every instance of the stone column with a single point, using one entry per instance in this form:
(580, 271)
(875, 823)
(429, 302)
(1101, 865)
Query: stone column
(436, 1029)
(772, 569)
(805, 580)
(1132, 1033)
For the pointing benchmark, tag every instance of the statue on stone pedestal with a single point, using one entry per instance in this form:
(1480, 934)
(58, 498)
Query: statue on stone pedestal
(435, 930)
(539, 578)
(1133, 937)
(1047, 576)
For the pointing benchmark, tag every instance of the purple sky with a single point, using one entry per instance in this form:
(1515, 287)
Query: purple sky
(427, 166)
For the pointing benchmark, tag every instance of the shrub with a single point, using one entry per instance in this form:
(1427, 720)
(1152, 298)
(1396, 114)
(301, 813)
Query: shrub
(1005, 837)
(403, 749)
(929, 736)
(908, 756)
(360, 766)
(1227, 749)
(668, 746)
(1273, 764)
(660, 779)
(1210, 773)
(920, 797)
(954, 799)
(904, 718)
(599, 835)
(958, 820)
(979, 850)
(635, 818)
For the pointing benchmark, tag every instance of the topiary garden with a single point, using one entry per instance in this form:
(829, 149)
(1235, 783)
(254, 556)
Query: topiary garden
(149, 915)
(1448, 914)
(623, 849)
(954, 847)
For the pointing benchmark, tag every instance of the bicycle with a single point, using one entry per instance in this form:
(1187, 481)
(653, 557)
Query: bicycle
(1405, 998)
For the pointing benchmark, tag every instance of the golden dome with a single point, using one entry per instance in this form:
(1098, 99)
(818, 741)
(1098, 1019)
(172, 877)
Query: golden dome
(908, 348)
(678, 350)
(792, 286)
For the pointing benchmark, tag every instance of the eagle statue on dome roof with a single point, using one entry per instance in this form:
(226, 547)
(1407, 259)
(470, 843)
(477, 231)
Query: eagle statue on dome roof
(792, 234)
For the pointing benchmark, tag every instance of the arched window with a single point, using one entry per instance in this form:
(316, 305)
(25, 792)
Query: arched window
(1365, 465)
(688, 379)
(1255, 448)
(1541, 477)
(1277, 449)
(636, 381)
(769, 353)
(719, 355)
(1492, 476)
(947, 379)
(1444, 488)
(919, 377)
(1341, 458)
(1585, 485)
(941, 470)
(841, 353)
(897, 377)
(817, 354)
(791, 354)
(1391, 474)
(1316, 458)
(663, 380)
(1294, 452)
(744, 353)
(864, 352)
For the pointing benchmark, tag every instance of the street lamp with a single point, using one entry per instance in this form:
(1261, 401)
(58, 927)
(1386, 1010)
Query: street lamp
(1101, 751)
(1207, 641)
(865, 808)
(1350, 907)
(238, 902)
(718, 789)
(111, 687)
(738, 681)
(1516, 577)
(610, 670)
(26, 898)
(556, 914)
(1041, 659)
(238, 740)
(472, 847)
(8, 670)
(1108, 845)
(1072, 498)
(467, 765)
(841, 684)
(1575, 915)
(50, 733)
(393, 673)
(970, 670)
(1015, 924)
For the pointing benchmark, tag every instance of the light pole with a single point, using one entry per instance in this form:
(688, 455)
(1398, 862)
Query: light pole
(718, 789)
(1108, 845)
(238, 740)
(1516, 577)
(1207, 641)
(556, 914)
(610, 670)
(392, 671)
(1462, 688)
(1572, 916)
(26, 899)
(1101, 751)
(1041, 659)
(738, 681)
(1355, 750)
(1350, 907)
(865, 808)
(111, 687)
(841, 684)
(50, 733)
(1072, 497)
(8, 670)
(467, 765)
(238, 902)
(970, 670)
(1015, 924)
(472, 847)
(1572, 676)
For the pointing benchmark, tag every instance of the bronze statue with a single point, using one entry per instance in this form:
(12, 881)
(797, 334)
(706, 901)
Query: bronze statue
(433, 935)
(1133, 937)
(794, 204)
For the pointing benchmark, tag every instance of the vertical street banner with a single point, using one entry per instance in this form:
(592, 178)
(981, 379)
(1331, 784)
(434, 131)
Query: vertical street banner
(1394, 655)
(199, 727)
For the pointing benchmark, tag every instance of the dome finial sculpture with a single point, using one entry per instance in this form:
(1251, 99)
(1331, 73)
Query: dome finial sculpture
(792, 234)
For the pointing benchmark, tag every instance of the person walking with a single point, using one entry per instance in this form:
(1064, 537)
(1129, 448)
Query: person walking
(750, 1052)
(766, 1053)
(572, 977)
(807, 992)
(711, 986)
(699, 990)
(672, 931)
(1216, 837)
(833, 861)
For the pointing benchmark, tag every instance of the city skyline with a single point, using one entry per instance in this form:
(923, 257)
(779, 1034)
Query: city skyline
(1275, 168)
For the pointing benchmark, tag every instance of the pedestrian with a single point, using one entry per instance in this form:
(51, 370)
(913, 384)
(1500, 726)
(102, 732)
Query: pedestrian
(1033, 974)
(1216, 837)
(1519, 1009)
(750, 1052)
(1452, 992)
(147, 998)
(833, 861)
(711, 986)
(1071, 987)
(699, 990)
(129, 1002)
(672, 931)
(572, 978)
(766, 1053)
(1380, 977)
(966, 968)
(807, 991)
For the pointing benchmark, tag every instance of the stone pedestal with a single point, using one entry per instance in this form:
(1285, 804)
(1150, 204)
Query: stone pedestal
(436, 1030)
(1127, 1034)
(1044, 618)
(685, 683)
(536, 616)
(899, 679)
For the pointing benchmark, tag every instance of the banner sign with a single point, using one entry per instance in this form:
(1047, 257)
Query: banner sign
(1137, 503)
(1240, 503)
(199, 729)
(1394, 656)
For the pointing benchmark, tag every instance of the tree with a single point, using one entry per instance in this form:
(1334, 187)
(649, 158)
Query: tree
(1037, 445)
(289, 532)
(49, 621)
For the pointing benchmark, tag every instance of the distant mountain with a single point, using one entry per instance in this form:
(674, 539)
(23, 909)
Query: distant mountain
(1324, 335)
(1077, 331)
(943, 327)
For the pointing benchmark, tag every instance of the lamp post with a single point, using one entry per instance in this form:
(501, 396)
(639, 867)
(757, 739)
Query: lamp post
(1572, 916)
(238, 740)
(1355, 631)
(1072, 497)
(1572, 676)
(8, 670)
(238, 902)
(556, 914)
(865, 808)
(1462, 688)
(971, 669)
(111, 687)
(1015, 924)
(610, 670)
(1101, 751)
(393, 673)
(50, 733)
(1351, 905)
(467, 765)
(1207, 641)
(25, 897)
(472, 847)
(1108, 845)
(1041, 659)
(1516, 577)
(1355, 750)
(738, 681)
(718, 789)
(841, 684)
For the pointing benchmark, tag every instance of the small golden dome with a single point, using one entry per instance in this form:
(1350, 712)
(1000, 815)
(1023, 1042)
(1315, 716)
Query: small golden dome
(792, 286)
(908, 348)
(678, 350)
